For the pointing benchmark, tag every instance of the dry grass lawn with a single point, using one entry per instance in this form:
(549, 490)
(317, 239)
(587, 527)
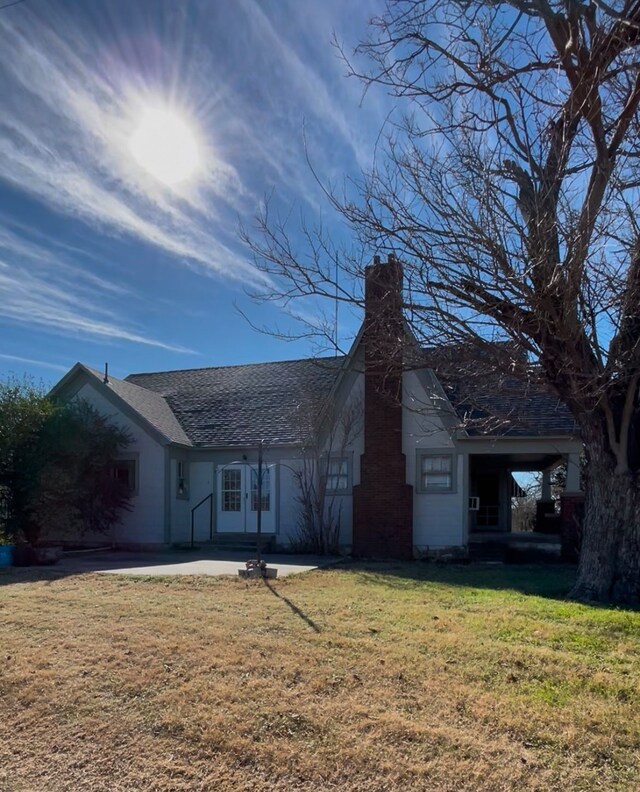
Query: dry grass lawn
(391, 677)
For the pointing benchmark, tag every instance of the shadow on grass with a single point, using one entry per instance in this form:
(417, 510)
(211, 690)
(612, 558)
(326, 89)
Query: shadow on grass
(552, 581)
(89, 562)
(32, 574)
(294, 608)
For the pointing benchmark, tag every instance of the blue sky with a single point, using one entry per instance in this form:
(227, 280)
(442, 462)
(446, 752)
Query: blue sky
(100, 261)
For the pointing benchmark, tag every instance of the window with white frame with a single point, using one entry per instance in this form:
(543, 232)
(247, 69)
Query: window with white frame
(436, 473)
(182, 479)
(338, 474)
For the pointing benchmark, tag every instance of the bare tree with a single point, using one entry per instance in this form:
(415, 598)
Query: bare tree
(523, 506)
(330, 429)
(510, 189)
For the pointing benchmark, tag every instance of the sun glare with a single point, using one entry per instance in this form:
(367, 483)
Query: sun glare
(165, 146)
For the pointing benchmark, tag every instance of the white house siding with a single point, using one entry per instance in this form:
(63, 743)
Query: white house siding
(438, 519)
(288, 506)
(179, 508)
(145, 523)
(351, 398)
(201, 484)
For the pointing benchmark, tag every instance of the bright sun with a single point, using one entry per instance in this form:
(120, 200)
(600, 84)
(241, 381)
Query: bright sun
(165, 146)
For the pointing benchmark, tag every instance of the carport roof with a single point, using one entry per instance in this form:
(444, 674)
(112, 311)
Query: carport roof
(514, 409)
(490, 403)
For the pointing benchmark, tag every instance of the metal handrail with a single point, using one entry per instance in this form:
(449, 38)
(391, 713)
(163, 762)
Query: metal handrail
(193, 511)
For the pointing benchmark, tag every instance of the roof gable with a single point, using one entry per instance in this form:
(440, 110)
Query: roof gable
(148, 408)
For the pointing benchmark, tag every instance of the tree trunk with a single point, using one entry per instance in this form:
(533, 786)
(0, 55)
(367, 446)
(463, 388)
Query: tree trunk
(609, 567)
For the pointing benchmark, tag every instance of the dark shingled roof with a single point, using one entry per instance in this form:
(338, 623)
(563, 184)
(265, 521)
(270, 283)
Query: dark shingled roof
(242, 405)
(275, 402)
(150, 405)
(490, 403)
(514, 409)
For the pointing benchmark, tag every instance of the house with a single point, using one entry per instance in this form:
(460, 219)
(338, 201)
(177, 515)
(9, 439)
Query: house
(414, 464)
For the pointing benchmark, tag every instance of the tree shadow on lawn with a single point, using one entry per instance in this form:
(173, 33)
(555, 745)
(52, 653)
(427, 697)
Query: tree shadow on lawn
(550, 581)
(292, 606)
(10, 576)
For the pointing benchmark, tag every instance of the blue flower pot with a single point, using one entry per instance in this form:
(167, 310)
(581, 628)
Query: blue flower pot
(6, 555)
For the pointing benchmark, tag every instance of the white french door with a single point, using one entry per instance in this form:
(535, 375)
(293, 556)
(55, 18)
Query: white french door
(231, 504)
(237, 499)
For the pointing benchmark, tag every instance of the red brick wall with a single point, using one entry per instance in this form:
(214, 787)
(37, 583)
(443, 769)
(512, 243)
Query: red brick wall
(383, 501)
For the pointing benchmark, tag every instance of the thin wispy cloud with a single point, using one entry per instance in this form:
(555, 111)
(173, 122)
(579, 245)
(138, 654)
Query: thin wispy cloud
(38, 287)
(72, 95)
(28, 300)
(64, 135)
(255, 82)
(51, 257)
(307, 78)
(33, 362)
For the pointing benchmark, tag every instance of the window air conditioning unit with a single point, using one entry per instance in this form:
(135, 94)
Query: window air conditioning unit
(474, 503)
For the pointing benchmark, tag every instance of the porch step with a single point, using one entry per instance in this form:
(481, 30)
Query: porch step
(533, 552)
(486, 552)
(514, 551)
(240, 542)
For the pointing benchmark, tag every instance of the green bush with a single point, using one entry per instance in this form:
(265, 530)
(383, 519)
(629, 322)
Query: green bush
(56, 466)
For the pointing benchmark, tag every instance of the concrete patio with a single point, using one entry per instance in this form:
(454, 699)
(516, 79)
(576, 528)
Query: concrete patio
(183, 563)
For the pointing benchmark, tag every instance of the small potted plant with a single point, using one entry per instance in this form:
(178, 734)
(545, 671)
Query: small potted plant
(38, 550)
(257, 569)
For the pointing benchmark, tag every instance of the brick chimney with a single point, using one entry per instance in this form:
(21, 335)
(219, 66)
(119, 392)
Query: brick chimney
(383, 501)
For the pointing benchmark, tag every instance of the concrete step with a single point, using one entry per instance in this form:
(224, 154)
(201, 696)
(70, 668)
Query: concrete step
(487, 552)
(515, 537)
(532, 553)
(514, 552)
(244, 542)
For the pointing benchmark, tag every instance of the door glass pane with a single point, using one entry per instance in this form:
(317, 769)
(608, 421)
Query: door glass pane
(266, 489)
(231, 490)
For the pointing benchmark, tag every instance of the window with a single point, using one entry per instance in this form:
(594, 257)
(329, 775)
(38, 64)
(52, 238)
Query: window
(437, 473)
(182, 479)
(266, 489)
(124, 470)
(232, 490)
(338, 475)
